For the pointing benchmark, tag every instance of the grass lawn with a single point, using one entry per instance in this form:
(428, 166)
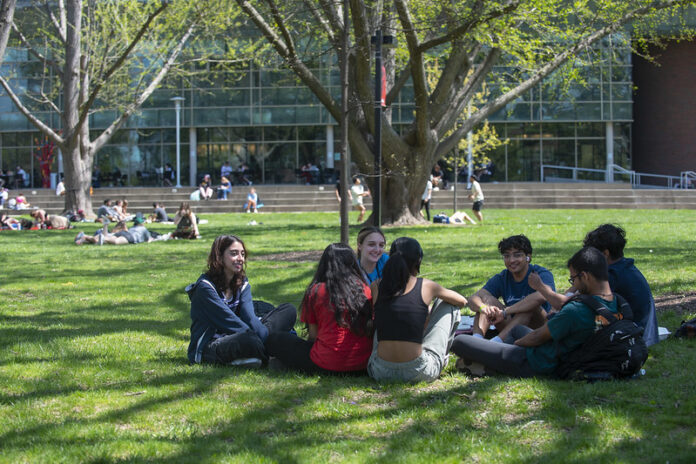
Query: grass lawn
(93, 356)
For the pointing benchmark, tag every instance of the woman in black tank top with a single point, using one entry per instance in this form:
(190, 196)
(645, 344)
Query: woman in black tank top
(411, 340)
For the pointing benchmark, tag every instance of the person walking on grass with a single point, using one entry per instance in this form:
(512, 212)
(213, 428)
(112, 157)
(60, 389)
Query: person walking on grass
(224, 326)
(477, 196)
(427, 195)
(337, 310)
(412, 339)
(252, 201)
(357, 192)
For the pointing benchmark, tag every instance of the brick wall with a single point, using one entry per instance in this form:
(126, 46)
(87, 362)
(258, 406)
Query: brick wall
(664, 110)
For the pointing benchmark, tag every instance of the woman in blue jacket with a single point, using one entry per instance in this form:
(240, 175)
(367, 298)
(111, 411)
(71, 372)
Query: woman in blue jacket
(224, 326)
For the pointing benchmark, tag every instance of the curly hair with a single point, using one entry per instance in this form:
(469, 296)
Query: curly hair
(519, 242)
(216, 267)
(608, 237)
(339, 271)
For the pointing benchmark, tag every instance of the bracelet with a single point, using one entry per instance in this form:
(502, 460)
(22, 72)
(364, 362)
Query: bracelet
(504, 314)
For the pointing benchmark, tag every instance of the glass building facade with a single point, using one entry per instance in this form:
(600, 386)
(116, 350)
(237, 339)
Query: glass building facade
(265, 118)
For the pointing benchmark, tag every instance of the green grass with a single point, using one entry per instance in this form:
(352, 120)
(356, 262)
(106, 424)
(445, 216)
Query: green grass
(93, 357)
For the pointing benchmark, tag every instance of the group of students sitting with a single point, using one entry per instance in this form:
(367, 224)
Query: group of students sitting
(372, 313)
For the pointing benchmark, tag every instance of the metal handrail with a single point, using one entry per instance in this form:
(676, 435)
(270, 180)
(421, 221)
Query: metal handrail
(682, 181)
(671, 180)
(621, 170)
(685, 178)
(574, 170)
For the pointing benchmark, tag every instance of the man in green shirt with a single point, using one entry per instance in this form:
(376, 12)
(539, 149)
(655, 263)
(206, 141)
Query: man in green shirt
(527, 352)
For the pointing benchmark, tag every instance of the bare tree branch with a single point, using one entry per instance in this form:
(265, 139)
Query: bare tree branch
(331, 27)
(498, 103)
(420, 85)
(32, 50)
(399, 83)
(302, 71)
(281, 25)
(55, 138)
(61, 24)
(109, 131)
(470, 24)
(466, 91)
(7, 9)
(87, 104)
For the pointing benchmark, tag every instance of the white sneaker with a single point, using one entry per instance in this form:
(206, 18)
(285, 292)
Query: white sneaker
(247, 362)
(471, 368)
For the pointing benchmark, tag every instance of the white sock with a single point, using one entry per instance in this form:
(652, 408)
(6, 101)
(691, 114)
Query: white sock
(478, 335)
(497, 339)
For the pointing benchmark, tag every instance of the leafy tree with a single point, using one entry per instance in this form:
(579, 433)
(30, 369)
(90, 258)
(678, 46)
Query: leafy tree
(94, 55)
(7, 9)
(535, 38)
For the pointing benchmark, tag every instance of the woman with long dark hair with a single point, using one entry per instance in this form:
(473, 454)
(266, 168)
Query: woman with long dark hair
(186, 223)
(371, 255)
(412, 340)
(337, 309)
(224, 326)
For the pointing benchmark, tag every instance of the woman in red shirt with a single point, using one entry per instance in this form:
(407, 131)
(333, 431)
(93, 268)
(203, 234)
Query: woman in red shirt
(337, 309)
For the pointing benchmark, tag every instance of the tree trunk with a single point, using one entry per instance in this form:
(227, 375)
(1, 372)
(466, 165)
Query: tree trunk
(78, 180)
(402, 186)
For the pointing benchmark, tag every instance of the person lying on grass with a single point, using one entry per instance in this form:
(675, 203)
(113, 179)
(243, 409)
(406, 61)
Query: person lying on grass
(120, 235)
(224, 327)
(412, 340)
(521, 304)
(337, 309)
(526, 352)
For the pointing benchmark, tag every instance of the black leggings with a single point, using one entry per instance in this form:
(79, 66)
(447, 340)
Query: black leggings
(247, 344)
(293, 352)
(427, 207)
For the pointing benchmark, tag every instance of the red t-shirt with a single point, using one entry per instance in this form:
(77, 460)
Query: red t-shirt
(336, 348)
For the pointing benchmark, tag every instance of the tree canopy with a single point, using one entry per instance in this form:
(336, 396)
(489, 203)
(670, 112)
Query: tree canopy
(92, 56)
(510, 46)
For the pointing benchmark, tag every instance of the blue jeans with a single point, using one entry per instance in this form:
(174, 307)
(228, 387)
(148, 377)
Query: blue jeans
(437, 339)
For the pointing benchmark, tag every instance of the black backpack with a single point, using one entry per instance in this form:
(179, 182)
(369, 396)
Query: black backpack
(615, 350)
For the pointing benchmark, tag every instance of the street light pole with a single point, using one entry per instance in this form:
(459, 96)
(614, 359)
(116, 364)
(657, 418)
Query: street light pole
(377, 195)
(177, 107)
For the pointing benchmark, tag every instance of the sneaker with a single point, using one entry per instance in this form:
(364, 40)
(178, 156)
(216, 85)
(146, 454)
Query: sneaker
(250, 363)
(79, 239)
(470, 368)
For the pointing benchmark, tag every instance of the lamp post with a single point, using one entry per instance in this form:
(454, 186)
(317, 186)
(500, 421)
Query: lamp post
(378, 40)
(177, 107)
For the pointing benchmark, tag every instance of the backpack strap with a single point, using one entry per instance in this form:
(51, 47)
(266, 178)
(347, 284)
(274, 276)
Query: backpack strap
(597, 307)
(623, 307)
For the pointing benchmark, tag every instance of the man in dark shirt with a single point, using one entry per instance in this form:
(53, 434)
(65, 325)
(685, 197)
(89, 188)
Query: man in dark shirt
(526, 352)
(520, 304)
(625, 278)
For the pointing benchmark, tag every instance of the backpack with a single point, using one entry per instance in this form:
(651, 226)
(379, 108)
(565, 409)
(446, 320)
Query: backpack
(615, 350)
(687, 329)
(441, 218)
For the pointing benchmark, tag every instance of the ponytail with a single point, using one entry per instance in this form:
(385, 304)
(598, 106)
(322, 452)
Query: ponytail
(404, 261)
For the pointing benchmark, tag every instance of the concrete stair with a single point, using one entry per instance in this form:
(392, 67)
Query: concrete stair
(298, 198)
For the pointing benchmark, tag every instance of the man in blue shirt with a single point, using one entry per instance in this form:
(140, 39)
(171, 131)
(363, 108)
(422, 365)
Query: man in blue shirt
(521, 304)
(625, 279)
(527, 352)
